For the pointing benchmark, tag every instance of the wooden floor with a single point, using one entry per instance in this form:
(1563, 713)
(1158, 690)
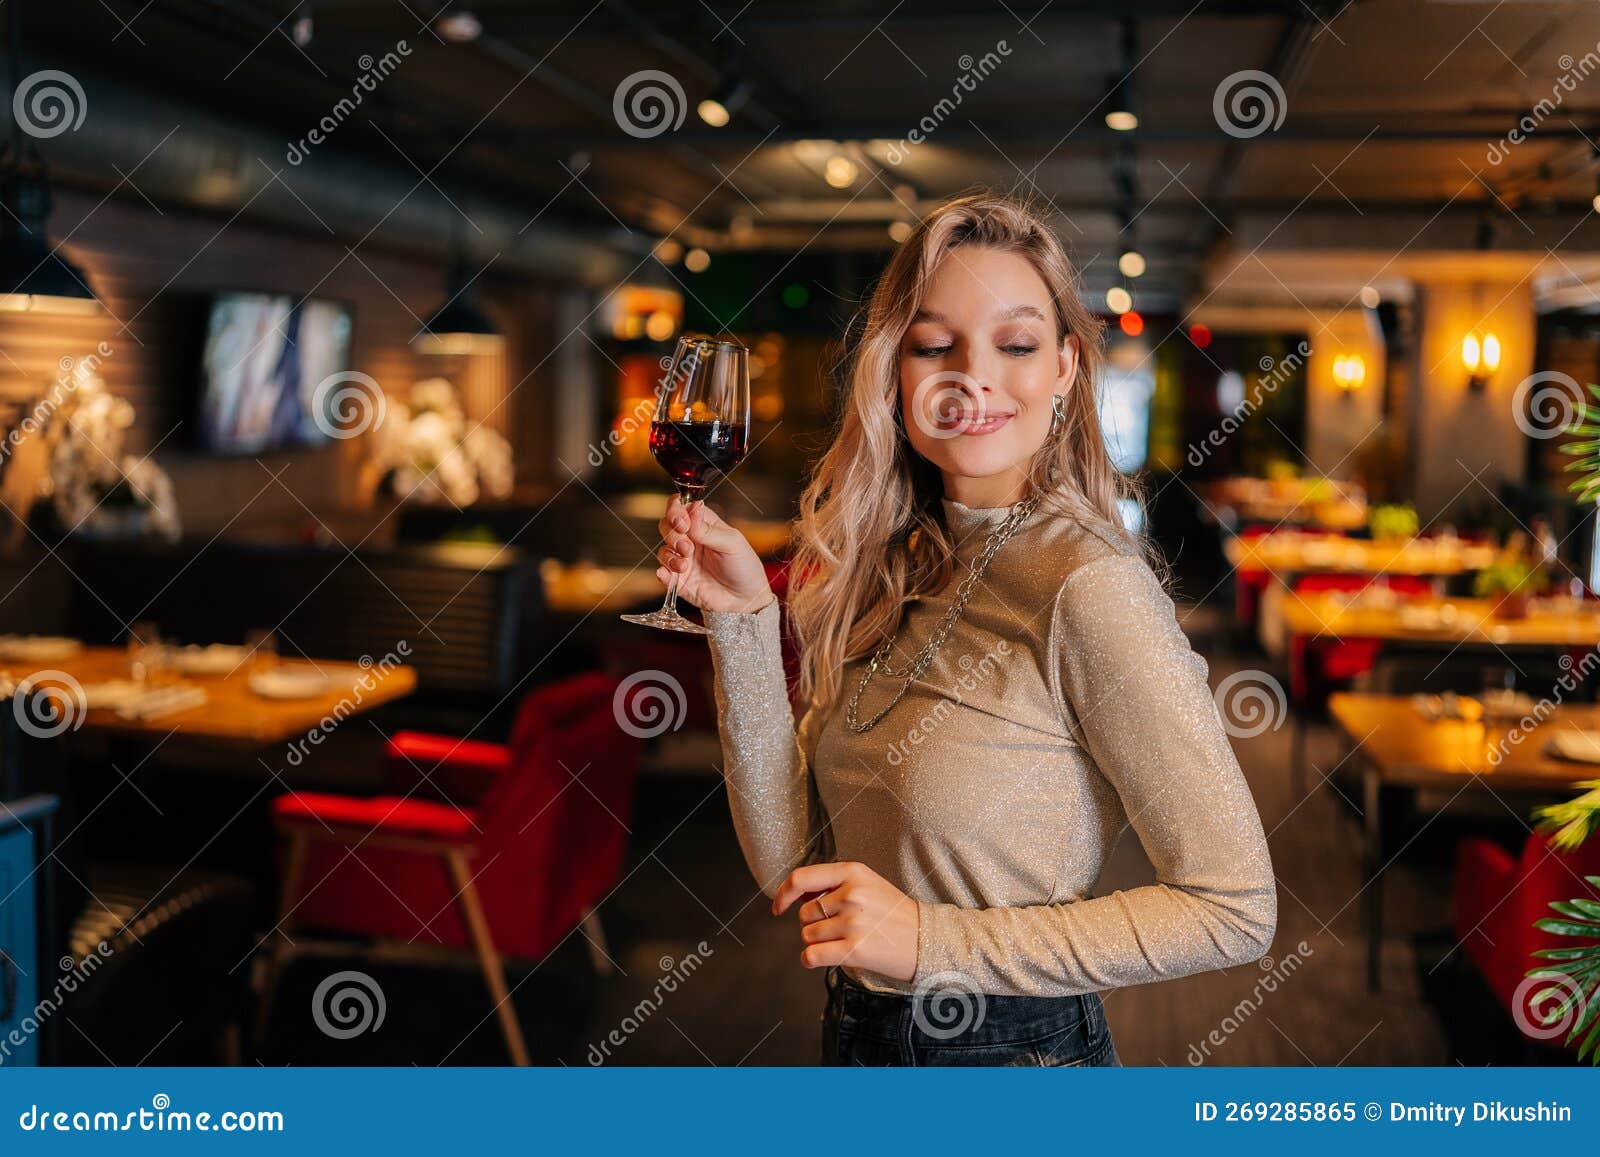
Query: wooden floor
(707, 976)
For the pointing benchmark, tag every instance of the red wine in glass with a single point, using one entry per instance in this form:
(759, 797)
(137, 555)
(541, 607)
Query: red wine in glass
(700, 433)
(695, 454)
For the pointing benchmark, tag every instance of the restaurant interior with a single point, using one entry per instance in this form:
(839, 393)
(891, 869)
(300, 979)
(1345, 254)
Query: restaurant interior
(331, 333)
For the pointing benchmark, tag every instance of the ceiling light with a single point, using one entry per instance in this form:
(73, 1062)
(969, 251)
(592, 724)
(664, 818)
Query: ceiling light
(1370, 297)
(458, 326)
(840, 172)
(697, 261)
(304, 28)
(1131, 263)
(900, 232)
(667, 251)
(727, 98)
(1118, 300)
(459, 27)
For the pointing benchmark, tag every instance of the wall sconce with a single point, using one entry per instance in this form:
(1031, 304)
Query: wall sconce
(1481, 358)
(1349, 372)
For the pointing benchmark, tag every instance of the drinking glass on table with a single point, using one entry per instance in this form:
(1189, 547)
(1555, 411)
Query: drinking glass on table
(262, 648)
(701, 431)
(145, 654)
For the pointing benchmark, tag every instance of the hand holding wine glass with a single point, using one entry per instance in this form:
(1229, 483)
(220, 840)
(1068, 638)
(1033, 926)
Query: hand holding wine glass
(701, 431)
(714, 566)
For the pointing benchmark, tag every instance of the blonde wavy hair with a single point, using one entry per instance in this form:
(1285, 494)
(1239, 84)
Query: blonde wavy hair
(871, 530)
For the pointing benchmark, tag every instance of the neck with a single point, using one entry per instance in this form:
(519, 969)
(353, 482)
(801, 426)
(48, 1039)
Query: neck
(1002, 489)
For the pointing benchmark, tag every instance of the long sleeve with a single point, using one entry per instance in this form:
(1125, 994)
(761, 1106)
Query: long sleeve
(776, 811)
(1134, 694)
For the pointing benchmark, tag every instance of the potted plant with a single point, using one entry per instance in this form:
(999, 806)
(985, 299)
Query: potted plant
(1509, 583)
(1574, 972)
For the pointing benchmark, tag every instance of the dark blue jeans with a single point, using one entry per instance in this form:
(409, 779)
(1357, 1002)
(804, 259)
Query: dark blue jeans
(957, 1027)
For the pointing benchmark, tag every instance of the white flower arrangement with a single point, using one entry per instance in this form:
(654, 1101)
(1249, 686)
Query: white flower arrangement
(425, 444)
(93, 485)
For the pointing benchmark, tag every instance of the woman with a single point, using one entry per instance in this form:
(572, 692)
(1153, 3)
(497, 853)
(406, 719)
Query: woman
(995, 681)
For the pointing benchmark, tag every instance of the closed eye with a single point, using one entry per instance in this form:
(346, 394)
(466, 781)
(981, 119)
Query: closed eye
(929, 351)
(1019, 351)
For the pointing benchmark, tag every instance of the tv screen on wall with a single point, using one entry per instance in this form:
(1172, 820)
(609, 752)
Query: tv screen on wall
(264, 357)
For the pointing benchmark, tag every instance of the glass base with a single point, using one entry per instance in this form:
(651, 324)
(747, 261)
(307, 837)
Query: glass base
(665, 620)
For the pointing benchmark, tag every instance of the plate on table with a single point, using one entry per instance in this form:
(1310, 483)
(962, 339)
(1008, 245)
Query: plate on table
(1500, 703)
(38, 648)
(290, 683)
(217, 659)
(1579, 746)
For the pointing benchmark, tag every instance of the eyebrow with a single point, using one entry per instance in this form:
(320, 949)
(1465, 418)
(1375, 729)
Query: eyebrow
(1013, 312)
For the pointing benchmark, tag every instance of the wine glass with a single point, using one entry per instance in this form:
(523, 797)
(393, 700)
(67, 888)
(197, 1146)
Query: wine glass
(700, 432)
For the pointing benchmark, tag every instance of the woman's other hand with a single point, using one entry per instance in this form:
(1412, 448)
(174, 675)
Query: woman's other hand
(854, 916)
(716, 568)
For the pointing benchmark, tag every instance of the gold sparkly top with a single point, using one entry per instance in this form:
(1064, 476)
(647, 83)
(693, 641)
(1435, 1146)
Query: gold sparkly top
(1066, 706)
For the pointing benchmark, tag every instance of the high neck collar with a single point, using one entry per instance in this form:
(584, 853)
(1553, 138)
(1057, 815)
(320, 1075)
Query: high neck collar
(965, 521)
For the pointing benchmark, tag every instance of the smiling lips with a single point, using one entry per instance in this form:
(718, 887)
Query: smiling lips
(974, 423)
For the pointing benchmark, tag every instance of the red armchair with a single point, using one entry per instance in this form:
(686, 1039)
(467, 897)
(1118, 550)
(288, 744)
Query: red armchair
(1498, 896)
(520, 845)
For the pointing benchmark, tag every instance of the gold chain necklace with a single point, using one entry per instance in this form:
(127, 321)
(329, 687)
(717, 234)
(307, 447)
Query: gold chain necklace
(998, 537)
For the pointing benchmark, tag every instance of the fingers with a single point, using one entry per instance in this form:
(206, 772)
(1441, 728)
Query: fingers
(822, 931)
(707, 527)
(826, 906)
(811, 878)
(826, 955)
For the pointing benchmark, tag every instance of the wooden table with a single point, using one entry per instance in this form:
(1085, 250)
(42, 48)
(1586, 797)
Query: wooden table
(1293, 553)
(1399, 748)
(584, 588)
(233, 716)
(1327, 614)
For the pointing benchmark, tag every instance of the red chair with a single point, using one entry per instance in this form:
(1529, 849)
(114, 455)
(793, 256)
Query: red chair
(515, 850)
(1498, 896)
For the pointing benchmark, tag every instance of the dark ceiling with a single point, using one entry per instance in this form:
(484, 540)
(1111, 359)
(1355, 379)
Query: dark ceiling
(1389, 110)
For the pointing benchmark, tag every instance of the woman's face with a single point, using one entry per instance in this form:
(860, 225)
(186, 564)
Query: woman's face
(978, 368)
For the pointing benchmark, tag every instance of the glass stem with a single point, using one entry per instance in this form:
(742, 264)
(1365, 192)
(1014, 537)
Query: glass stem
(670, 604)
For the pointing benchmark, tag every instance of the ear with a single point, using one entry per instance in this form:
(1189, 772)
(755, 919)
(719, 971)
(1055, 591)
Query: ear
(1067, 364)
